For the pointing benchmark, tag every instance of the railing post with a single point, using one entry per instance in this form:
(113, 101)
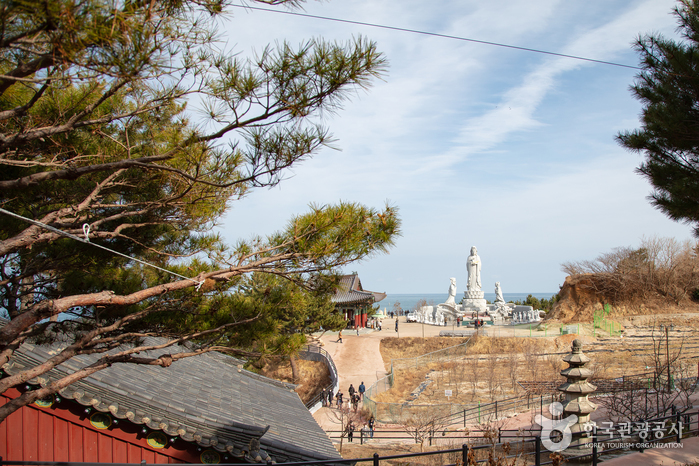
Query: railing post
(537, 451)
(679, 427)
(464, 454)
(594, 445)
(496, 410)
(464, 417)
(376, 459)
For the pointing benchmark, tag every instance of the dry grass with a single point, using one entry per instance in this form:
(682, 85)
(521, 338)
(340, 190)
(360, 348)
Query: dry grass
(504, 345)
(482, 374)
(314, 376)
(355, 450)
(491, 365)
(410, 347)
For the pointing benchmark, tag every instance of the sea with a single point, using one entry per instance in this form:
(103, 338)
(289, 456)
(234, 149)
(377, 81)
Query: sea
(407, 302)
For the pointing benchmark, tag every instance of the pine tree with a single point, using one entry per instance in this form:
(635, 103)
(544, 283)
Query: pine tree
(668, 87)
(95, 142)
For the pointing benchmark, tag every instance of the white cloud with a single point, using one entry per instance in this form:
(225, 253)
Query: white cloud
(511, 151)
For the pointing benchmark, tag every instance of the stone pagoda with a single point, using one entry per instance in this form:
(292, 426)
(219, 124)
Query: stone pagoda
(576, 389)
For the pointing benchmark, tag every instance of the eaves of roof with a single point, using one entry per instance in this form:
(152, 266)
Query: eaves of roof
(349, 291)
(207, 399)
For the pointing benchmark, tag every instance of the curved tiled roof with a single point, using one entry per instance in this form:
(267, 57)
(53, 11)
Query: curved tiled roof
(349, 291)
(207, 399)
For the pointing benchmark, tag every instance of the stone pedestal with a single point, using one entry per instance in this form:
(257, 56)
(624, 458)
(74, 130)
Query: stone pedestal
(474, 301)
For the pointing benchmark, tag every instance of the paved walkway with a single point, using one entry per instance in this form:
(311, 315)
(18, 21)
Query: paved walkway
(688, 454)
(358, 358)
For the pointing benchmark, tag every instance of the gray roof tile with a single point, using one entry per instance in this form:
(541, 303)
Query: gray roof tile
(350, 291)
(206, 393)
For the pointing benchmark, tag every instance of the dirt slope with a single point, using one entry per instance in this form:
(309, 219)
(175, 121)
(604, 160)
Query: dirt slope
(578, 301)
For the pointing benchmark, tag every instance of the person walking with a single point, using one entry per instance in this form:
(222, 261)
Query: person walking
(324, 397)
(364, 433)
(338, 396)
(350, 432)
(330, 398)
(339, 337)
(371, 426)
(351, 390)
(379, 326)
(396, 324)
(362, 389)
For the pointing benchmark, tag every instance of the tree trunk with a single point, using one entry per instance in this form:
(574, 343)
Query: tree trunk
(295, 375)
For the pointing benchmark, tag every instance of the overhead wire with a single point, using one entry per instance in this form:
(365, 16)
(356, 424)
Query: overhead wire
(86, 227)
(86, 240)
(435, 34)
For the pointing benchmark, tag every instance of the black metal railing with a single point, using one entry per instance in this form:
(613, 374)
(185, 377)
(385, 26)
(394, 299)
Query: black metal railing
(308, 352)
(680, 426)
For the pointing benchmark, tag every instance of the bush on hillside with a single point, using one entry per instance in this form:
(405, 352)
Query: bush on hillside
(542, 304)
(660, 268)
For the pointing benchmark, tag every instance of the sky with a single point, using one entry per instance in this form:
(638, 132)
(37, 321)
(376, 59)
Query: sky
(510, 151)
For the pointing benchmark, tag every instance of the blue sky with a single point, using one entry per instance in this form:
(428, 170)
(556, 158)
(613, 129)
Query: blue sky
(507, 150)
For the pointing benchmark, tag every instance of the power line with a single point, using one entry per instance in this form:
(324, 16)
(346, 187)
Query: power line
(434, 34)
(86, 231)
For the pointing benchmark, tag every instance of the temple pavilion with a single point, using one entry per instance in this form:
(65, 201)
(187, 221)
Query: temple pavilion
(353, 301)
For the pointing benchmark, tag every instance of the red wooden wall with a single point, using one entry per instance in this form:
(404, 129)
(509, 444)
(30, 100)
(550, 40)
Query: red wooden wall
(62, 433)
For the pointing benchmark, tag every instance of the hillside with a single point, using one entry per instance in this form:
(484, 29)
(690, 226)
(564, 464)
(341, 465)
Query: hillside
(581, 295)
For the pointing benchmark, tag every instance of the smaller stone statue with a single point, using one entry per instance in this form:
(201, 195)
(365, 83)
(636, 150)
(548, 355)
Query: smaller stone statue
(498, 294)
(452, 292)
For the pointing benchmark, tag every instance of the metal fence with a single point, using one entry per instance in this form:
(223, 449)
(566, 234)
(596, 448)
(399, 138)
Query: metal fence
(600, 321)
(450, 414)
(674, 429)
(316, 353)
(498, 409)
(453, 413)
(395, 412)
(442, 355)
(532, 330)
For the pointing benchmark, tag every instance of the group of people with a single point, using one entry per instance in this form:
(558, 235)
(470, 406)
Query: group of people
(355, 396)
(367, 430)
(378, 325)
